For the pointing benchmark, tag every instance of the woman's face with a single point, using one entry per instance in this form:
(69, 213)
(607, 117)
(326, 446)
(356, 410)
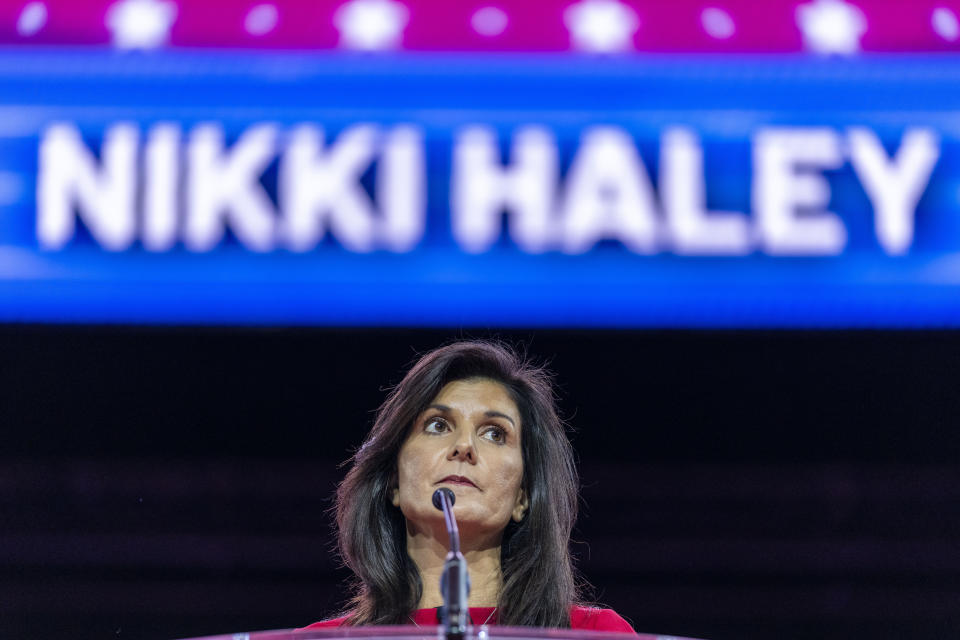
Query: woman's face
(468, 440)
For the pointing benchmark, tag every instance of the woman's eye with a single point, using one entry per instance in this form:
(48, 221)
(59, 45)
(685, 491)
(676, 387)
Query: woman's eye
(435, 425)
(495, 434)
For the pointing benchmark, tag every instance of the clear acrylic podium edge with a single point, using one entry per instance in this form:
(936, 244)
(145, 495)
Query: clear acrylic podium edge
(435, 632)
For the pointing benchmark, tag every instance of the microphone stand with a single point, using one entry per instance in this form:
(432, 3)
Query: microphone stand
(455, 580)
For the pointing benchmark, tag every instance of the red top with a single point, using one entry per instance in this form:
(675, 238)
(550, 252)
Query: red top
(588, 618)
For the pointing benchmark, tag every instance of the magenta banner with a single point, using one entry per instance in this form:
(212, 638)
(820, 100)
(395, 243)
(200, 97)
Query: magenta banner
(831, 27)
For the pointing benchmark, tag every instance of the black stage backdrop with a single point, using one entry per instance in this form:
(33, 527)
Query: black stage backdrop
(167, 482)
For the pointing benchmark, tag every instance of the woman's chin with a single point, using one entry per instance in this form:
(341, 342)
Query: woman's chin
(473, 530)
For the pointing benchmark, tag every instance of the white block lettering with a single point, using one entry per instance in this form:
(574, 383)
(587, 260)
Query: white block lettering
(161, 179)
(694, 230)
(482, 189)
(790, 194)
(894, 187)
(223, 186)
(104, 195)
(401, 189)
(608, 195)
(321, 188)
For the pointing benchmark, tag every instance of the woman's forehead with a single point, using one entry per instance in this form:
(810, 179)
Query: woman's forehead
(477, 394)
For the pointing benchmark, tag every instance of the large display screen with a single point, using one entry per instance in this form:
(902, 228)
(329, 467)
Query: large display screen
(341, 188)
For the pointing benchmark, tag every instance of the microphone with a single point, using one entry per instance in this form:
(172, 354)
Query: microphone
(455, 579)
(438, 498)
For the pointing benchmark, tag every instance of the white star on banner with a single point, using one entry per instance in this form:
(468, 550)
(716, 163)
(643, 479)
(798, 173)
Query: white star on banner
(945, 23)
(371, 24)
(831, 26)
(261, 19)
(32, 18)
(717, 23)
(602, 26)
(489, 21)
(141, 24)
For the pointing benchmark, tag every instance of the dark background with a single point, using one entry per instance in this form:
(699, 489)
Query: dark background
(167, 482)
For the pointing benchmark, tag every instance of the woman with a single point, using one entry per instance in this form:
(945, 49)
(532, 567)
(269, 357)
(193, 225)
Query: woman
(476, 418)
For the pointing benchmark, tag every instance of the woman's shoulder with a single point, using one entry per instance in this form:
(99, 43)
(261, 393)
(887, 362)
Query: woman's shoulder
(324, 624)
(598, 619)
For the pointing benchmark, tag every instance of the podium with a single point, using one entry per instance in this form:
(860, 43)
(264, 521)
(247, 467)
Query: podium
(435, 632)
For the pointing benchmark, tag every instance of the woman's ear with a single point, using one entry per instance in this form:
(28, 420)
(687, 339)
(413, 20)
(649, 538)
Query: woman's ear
(395, 488)
(521, 506)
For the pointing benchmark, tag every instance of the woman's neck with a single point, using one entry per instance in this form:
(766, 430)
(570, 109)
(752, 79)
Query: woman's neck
(428, 553)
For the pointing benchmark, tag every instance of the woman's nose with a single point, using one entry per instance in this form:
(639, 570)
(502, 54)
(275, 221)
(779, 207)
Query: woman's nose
(462, 448)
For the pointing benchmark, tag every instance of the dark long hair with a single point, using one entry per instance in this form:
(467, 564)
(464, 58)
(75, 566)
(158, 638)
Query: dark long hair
(539, 583)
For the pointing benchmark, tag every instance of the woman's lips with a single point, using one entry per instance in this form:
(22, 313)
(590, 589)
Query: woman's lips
(458, 480)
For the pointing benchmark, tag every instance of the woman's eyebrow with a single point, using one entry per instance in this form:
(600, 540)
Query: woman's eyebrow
(489, 414)
(497, 414)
